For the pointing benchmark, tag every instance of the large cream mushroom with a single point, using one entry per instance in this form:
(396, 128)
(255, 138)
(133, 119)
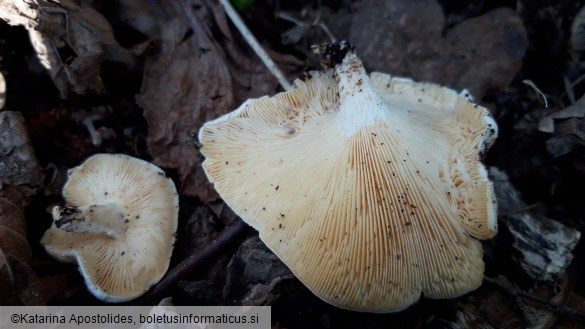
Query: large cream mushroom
(369, 188)
(119, 225)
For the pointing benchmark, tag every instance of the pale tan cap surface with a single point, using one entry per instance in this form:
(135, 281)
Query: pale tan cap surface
(370, 190)
(120, 268)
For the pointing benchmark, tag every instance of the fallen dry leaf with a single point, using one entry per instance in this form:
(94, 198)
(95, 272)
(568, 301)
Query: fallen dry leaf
(18, 165)
(71, 40)
(567, 129)
(19, 176)
(497, 306)
(18, 283)
(253, 273)
(407, 38)
(195, 70)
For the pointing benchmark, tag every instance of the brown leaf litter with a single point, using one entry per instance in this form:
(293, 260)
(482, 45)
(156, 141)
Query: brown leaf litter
(19, 175)
(409, 38)
(18, 282)
(195, 70)
(566, 128)
(71, 40)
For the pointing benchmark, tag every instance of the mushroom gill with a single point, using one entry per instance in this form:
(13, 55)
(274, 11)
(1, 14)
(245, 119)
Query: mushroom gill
(370, 189)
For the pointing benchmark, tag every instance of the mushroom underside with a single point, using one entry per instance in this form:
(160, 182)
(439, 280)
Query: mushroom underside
(119, 225)
(371, 220)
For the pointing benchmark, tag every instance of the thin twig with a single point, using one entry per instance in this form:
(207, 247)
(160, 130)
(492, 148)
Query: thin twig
(241, 26)
(531, 84)
(324, 27)
(521, 209)
(287, 17)
(551, 305)
(317, 22)
(195, 260)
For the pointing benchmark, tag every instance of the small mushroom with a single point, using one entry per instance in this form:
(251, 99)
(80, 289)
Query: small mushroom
(119, 225)
(369, 188)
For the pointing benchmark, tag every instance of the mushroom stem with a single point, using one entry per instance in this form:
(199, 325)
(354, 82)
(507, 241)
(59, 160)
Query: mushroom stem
(106, 218)
(359, 103)
(96, 138)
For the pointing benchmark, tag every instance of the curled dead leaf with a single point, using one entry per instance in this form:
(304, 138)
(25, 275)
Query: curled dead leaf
(70, 38)
(567, 129)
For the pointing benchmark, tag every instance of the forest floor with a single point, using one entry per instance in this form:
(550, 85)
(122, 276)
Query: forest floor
(141, 77)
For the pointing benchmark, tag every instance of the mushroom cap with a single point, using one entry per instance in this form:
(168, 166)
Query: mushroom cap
(370, 189)
(118, 269)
